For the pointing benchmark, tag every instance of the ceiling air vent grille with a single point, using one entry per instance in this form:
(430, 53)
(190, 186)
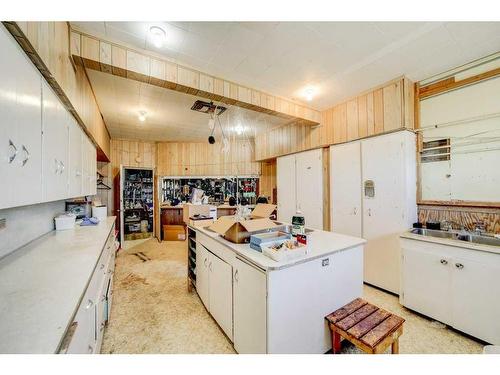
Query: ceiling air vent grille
(207, 107)
(436, 150)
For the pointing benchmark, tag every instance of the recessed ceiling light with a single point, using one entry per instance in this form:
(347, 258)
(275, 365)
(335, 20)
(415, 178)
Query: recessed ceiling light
(158, 36)
(309, 93)
(142, 116)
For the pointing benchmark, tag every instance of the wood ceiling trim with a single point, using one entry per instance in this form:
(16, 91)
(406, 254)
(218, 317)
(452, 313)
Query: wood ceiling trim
(101, 55)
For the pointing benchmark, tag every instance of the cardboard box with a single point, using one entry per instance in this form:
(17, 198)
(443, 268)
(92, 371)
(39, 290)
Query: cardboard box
(190, 209)
(240, 231)
(174, 233)
(201, 222)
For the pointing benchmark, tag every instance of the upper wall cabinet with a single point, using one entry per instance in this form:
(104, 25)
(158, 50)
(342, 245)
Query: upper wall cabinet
(41, 145)
(55, 142)
(20, 126)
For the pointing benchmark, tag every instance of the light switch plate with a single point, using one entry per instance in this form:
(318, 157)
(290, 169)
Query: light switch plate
(3, 222)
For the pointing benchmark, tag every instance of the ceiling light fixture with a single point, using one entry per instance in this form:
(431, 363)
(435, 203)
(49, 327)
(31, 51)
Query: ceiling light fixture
(309, 93)
(158, 36)
(239, 129)
(142, 116)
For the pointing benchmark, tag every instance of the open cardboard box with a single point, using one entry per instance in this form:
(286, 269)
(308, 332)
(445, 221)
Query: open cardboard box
(240, 231)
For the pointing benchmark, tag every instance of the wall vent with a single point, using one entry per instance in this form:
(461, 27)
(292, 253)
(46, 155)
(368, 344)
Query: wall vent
(207, 107)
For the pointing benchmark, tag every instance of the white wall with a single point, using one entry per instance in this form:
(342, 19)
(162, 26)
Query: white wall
(24, 224)
(473, 171)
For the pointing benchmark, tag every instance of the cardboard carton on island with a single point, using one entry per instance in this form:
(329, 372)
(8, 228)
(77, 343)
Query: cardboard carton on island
(240, 231)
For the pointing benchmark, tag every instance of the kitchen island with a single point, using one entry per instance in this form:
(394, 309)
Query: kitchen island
(265, 306)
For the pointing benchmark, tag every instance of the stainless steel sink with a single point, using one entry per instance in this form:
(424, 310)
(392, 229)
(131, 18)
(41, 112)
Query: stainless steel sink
(458, 236)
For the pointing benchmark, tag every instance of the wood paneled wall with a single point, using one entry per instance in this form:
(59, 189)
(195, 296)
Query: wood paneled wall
(102, 55)
(132, 153)
(204, 159)
(268, 179)
(384, 109)
(47, 45)
(466, 216)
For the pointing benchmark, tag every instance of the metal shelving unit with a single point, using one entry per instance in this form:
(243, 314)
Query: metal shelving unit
(191, 274)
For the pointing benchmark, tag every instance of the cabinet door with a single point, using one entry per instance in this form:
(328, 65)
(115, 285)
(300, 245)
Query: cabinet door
(83, 340)
(250, 308)
(202, 274)
(20, 126)
(427, 283)
(287, 195)
(55, 152)
(476, 302)
(345, 188)
(221, 293)
(75, 158)
(309, 179)
(93, 168)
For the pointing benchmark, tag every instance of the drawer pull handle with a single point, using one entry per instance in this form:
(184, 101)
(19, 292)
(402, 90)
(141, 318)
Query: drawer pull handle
(210, 266)
(27, 155)
(236, 276)
(58, 166)
(205, 262)
(459, 265)
(62, 168)
(90, 349)
(444, 262)
(14, 154)
(102, 266)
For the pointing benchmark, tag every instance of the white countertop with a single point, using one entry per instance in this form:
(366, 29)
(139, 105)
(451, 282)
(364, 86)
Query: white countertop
(450, 242)
(41, 286)
(319, 243)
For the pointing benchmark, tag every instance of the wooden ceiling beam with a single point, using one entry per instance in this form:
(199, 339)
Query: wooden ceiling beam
(101, 55)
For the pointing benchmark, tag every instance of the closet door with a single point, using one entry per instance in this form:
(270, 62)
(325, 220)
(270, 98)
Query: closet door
(286, 185)
(20, 126)
(55, 152)
(384, 211)
(309, 180)
(345, 189)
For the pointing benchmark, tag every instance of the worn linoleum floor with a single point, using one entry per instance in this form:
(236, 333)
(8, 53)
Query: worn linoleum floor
(153, 312)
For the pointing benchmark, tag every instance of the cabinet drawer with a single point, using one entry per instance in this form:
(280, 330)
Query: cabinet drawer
(216, 248)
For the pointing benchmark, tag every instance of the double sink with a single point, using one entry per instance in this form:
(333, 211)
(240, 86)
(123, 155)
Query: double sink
(458, 236)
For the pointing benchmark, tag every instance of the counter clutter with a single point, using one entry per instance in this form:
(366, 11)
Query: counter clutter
(45, 283)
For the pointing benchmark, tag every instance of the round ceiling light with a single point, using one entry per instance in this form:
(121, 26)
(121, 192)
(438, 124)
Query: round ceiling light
(158, 36)
(142, 116)
(309, 93)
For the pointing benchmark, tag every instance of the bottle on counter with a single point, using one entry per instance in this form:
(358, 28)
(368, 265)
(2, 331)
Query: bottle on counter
(298, 224)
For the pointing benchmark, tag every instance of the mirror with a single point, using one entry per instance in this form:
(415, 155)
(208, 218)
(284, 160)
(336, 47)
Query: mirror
(460, 144)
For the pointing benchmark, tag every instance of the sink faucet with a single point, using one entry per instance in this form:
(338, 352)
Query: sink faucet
(447, 225)
(479, 228)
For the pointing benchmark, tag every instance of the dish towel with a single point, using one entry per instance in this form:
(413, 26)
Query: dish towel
(89, 221)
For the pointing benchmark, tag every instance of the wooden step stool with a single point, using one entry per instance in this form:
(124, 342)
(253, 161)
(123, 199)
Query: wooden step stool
(370, 328)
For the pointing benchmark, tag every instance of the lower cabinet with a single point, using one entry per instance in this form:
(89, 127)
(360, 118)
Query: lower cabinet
(86, 331)
(250, 308)
(214, 286)
(454, 285)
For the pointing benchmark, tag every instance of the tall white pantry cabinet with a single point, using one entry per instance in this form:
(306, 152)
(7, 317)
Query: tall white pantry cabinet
(373, 195)
(300, 187)
(44, 154)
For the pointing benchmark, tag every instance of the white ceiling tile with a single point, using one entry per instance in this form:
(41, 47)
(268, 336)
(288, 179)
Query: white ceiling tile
(125, 37)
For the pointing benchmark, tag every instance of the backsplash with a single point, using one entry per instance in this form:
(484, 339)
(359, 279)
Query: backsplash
(24, 224)
(466, 216)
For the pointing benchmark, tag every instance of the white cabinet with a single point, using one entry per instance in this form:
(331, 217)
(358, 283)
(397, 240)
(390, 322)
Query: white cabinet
(427, 280)
(286, 186)
(20, 126)
(373, 195)
(76, 139)
(476, 300)
(300, 187)
(55, 142)
(214, 285)
(93, 312)
(202, 273)
(89, 167)
(250, 305)
(221, 293)
(454, 285)
(345, 183)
